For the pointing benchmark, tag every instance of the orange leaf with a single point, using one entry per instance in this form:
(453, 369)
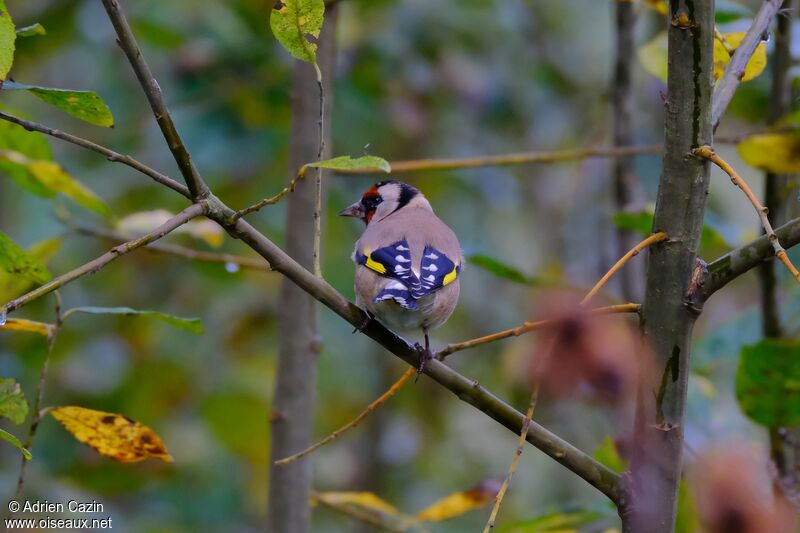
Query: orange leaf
(111, 434)
(460, 502)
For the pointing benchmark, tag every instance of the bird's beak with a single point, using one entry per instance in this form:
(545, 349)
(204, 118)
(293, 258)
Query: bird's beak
(355, 210)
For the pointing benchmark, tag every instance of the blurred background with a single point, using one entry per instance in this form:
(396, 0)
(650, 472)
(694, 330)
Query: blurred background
(414, 79)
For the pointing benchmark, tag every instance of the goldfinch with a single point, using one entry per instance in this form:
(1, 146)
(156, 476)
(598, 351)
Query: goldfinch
(407, 260)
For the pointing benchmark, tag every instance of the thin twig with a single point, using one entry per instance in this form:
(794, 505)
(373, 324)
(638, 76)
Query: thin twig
(193, 211)
(111, 155)
(251, 263)
(652, 239)
(527, 327)
(523, 158)
(523, 435)
(318, 189)
(734, 71)
(37, 413)
(127, 41)
(724, 42)
(708, 153)
(301, 174)
(354, 422)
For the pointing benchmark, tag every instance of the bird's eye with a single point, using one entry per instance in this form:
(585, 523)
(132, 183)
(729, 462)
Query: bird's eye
(371, 202)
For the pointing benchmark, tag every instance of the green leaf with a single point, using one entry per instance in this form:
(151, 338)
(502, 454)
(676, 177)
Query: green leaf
(608, 455)
(559, 521)
(31, 144)
(768, 382)
(501, 269)
(12, 401)
(42, 252)
(345, 162)
(85, 105)
(16, 261)
(728, 11)
(56, 180)
(642, 222)
(5, 435)
(293, 21)
(32, 30)
(192, 325)
(7, 38)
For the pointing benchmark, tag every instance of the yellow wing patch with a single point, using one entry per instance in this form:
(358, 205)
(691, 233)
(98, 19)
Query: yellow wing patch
(451, 277)
(374, 265)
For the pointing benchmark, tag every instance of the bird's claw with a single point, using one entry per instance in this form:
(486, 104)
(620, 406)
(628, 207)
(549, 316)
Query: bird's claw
(425, 355)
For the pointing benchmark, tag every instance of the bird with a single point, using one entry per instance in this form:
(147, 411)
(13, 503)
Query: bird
(408, 262)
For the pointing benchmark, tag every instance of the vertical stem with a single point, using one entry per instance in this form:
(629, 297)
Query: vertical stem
(318, 190)
(667, 319)
(36, 415)
(299, 345)
(622, 103)
(775, 192)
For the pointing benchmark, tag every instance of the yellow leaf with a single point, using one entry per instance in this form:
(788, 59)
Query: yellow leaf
(774, 152)
(21, 324)
(460, 502)
(111, 434)
(146, 221)
(368, 500)
(721, 58)
(653, 56)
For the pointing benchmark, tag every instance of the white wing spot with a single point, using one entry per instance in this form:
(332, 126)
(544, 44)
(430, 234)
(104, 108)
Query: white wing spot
(431, 256)
(401, 259)
(431, 268)
(401, 248)
(430, 278)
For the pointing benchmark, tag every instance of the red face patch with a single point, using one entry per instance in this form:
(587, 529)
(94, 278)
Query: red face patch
(370, 202)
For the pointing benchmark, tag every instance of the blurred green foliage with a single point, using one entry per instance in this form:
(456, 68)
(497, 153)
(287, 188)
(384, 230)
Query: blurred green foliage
(414, 79)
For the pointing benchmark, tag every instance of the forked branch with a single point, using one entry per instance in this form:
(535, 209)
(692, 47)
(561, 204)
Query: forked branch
(708, 153)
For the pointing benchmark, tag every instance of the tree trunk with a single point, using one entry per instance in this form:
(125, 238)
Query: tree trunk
(775, 196)
(668, 314)
(293, 405)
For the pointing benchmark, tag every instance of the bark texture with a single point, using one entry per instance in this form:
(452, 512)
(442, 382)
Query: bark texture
(667, 315)
(293, 405)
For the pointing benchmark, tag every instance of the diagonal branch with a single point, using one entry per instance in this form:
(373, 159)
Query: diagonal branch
(736, 262)
(727, 85)
(193, 211)
(111, 155)
(471, 392)
(152, 90)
